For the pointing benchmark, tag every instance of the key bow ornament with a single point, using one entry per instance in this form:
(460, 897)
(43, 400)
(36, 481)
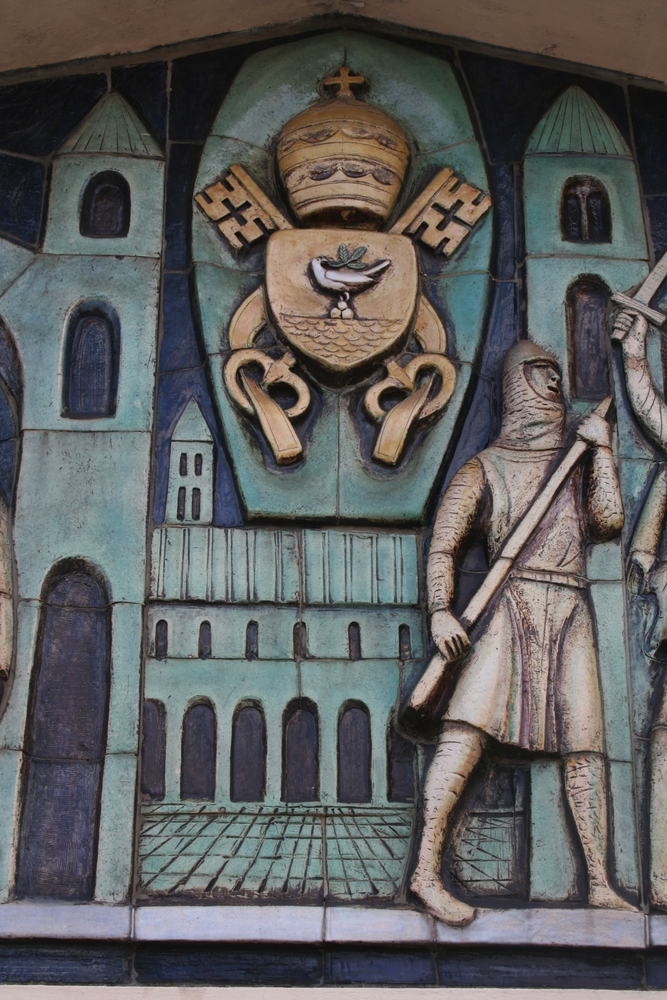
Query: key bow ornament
(416, 407)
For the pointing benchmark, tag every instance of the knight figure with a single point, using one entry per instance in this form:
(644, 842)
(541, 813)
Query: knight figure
(531, 680)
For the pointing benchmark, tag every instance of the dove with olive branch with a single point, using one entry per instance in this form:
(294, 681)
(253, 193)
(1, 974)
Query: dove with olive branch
(346, 276)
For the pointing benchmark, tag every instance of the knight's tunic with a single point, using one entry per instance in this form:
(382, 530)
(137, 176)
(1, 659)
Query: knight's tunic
(531, 679)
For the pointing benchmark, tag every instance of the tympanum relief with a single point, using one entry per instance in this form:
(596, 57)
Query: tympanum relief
(365, 602)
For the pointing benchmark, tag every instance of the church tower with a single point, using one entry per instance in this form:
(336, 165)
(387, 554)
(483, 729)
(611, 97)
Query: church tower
(190, 493)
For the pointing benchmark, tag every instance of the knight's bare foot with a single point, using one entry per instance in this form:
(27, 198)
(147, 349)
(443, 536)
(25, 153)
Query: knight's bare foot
(606, 898)
(439, 902)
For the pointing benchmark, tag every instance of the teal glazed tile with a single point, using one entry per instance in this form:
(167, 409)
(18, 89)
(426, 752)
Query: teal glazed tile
(85, 517)
(544, 179)
(609, 616)
(36, 310)
(604, 561)
(547, 282)
(271, 685)
(125, 697)
(636, 476)
(114, 859)
(622, 797)
(228, 633)
(305, 490)
(13, 261)
(351, 567)
(330, 685)
(461, 301)
(26, 630)
(220, 292)
(327, 631)
(69, 179)
(420, 91)
(553, 864)
(12, 763)
(368, 493)
(253, 112)
(209, 246)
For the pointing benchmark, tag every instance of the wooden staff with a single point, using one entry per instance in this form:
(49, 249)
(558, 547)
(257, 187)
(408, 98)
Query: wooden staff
(425, 698)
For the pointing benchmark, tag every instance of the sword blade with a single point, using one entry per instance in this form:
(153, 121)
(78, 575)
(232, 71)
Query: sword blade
(649, 287)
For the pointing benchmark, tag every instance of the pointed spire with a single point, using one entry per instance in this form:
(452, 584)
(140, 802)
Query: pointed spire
(192, 426)
(112, 127)
(576, 124)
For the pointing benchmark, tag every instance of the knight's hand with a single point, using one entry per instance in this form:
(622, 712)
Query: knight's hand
(595, 430)
(630, 329)
(449, 635)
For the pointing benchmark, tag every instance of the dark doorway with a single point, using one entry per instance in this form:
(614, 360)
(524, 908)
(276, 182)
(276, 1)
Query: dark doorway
(248, 755)
(65, 743)
(354, 754)
(90, 383)
(300, 752)
(586, 309)
(198, 753)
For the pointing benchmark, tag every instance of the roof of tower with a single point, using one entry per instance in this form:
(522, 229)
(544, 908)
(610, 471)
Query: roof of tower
(112, 127)
(192, 425)
(576, 124)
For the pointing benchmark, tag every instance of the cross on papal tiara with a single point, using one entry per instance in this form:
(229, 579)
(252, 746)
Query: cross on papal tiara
(343, 82)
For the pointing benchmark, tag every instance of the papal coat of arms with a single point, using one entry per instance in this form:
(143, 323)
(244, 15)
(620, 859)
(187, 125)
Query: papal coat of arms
(341, 293)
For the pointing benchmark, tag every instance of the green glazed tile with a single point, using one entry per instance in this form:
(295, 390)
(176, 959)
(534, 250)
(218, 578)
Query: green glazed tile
(113, 126)
(461, 301)
(544, 178)
(327, 632)
(106, 526)
(220, 291)
(609, 614)
(622, 798)
(553, 860)
(13, 261)
(368, 493)
(11, 770)
(575, 123)
(69, 179)
(330, 685)
(352, 567)
(36, 309)
(254, 112)
(124, 699)
(604, 561)
(420, 91)
(271, 684)
(636, 475)
(228, 632)
(116, 836)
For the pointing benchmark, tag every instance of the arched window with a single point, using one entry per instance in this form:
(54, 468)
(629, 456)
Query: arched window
(153, 750)
(66, 741)
(400, 766)
(105, 207)
(300, 752)
(300, 638)
(252, 641)
(585, 213)
(354, 754)
(586, 311)
(198, 753)
(248, 764)
(404, 642)
(205, 641)
(161, 639)
(92, 352)
(354, 641)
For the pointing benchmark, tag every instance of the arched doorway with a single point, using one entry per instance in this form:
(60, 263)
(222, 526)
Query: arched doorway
(66, 740)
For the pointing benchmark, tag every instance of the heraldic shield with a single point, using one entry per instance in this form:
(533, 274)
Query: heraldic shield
(341, 298)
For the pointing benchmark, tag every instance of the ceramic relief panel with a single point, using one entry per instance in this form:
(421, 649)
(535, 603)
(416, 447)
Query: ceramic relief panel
(332, 499)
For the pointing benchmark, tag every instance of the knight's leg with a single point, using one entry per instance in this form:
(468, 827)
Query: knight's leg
(458, 752)
(586, 790)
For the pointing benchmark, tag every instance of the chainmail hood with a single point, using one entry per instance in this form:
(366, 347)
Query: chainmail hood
(529, 421)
